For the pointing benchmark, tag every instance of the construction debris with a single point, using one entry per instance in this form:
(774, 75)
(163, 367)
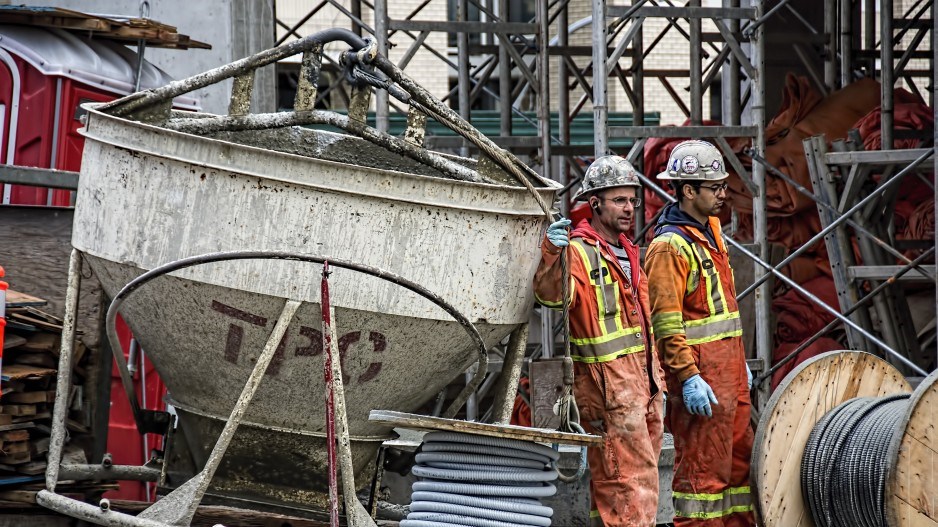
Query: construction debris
(30, 361)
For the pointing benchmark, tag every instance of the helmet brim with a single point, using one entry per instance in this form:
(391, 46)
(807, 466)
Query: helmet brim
(583, 196)
(666, 176)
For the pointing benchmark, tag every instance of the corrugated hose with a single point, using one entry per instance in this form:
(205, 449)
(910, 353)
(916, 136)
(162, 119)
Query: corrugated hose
(480, 481)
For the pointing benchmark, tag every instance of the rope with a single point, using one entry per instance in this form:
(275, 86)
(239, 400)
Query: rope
(843, 469)
(567, 408)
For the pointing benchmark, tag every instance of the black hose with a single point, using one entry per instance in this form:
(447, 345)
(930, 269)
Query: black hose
(844, 465)
(479, 481)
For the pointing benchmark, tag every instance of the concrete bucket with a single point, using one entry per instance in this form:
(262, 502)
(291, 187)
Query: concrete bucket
(158, 186)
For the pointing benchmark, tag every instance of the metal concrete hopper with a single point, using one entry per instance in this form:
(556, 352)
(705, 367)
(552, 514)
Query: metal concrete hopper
(150, 194)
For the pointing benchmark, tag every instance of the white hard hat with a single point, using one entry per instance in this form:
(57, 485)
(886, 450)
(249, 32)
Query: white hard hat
(695, 161)
(607, 172)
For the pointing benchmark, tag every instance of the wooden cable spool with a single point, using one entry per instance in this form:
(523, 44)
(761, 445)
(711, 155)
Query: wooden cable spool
(810, 391)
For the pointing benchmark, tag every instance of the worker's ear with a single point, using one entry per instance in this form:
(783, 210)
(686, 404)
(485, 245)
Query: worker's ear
(594, 204)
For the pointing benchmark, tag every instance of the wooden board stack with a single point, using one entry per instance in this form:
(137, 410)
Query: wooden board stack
(30, 361)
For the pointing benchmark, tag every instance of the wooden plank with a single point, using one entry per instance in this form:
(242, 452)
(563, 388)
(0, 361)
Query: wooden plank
(41, 359)
(28, 398)
(43, 342)
(24, 372)
(811, 390)
(13, 341)
(15, 459)
(17, 299)
(425, 422)
(155, 33)
(18, 409)
(17, 447)
(17, 426)
(911, 499)
(14, 435)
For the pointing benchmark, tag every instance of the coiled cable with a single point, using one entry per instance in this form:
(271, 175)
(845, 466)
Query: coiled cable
(478, 481)
(844, 465)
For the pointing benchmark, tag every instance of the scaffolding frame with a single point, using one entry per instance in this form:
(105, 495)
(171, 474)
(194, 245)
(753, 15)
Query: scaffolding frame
(851, 43)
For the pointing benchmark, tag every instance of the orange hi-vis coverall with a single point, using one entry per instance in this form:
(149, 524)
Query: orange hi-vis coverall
(696, 322)
(617, 376)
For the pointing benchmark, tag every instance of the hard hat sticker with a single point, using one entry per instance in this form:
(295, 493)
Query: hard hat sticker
(716, 166)
(689, 165)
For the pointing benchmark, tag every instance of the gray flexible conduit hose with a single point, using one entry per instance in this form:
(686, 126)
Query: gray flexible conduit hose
(478, 481)
(843, 469)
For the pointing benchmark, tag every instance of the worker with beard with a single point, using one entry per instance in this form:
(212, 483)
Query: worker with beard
(699, 335)
(618, 382)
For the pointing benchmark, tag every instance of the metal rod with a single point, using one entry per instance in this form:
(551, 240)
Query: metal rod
(600, 108)
(382, 122)
(563, 104)
(696, 74)
(129, 103)
(836, 314)
(830, 33)
(841, 220)
(64, 377)
(511, 373)
(760, 19)
(846, 42)
(108, 472)
(863, 301)
(869, 34)
(98, 514)
(504, 78)
(763, 300)
(462, 71)
(543, 90)
(638, 109)
(266, 121)
(327, 338)
(886, 74)
(853, 224)
(731, 109)
(354, 510)
(179, 506)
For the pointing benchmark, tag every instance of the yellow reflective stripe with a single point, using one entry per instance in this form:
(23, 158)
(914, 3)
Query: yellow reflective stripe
(712, 496)
(607, 347)
(593, 359)
(714, 328)
(667, 324)
(707, 506)
(717, 514)
(558, 305)
(594, 513)
(585, 341)
(548, 303)
(678, 242)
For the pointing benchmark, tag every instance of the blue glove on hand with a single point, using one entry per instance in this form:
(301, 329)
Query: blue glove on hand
(557, 233)
(698, 396)
(749, 376)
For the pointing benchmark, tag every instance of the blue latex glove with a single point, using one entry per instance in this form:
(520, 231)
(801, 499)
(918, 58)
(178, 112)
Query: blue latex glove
(698, 396)
(749, 376)
(557, 233)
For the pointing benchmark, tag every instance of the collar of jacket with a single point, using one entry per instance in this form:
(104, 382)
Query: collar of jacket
(586, 231)
(673, 215)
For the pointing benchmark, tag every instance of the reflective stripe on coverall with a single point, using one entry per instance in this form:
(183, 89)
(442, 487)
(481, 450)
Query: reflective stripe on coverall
(696, 320)
(617, 375)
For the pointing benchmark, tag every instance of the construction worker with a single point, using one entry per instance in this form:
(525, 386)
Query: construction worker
(699, 335)
(618, 380)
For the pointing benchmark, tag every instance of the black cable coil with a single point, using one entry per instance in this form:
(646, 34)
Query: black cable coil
(478, 481)
(843, 469)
